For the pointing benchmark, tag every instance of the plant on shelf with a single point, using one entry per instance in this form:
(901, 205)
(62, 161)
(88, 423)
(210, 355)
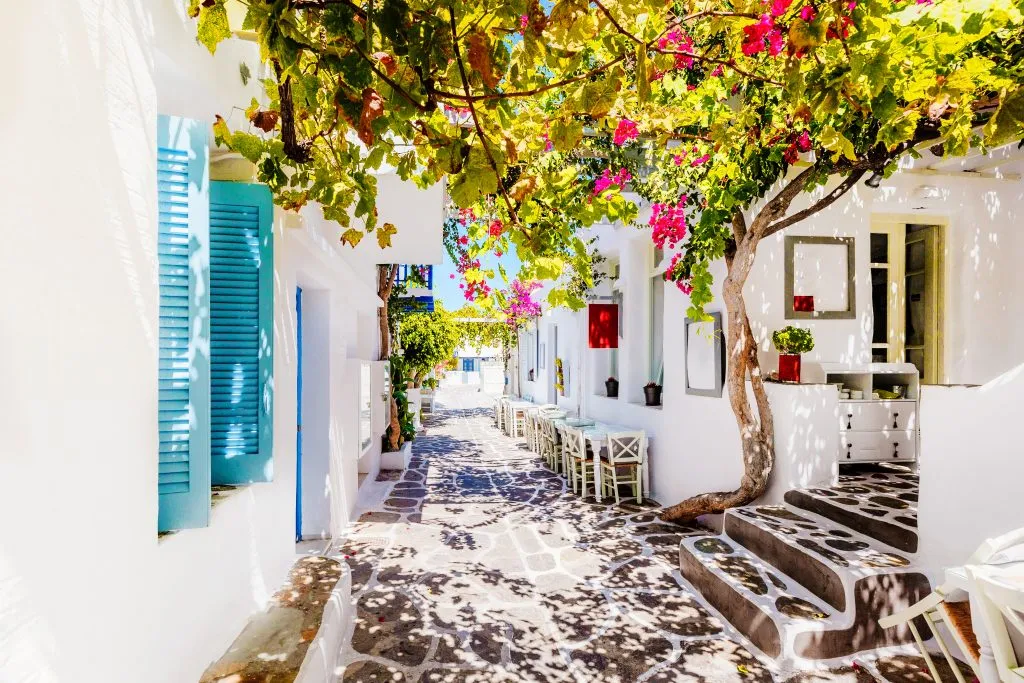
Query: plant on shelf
(790, 342)
(393, 439)
(430, 383)
(611, 386)
(559, 376)
(652, 393)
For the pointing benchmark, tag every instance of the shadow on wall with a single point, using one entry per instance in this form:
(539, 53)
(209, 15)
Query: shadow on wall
(971, 467)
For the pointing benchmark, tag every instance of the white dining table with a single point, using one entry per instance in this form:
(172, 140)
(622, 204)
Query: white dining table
(596, 434)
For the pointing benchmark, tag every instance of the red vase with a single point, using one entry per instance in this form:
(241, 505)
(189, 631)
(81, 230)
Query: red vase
(789, 367)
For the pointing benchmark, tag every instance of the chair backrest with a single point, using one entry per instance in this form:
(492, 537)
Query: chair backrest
(996, 545)
(575, 442)
(626, 447)
(1002, 608)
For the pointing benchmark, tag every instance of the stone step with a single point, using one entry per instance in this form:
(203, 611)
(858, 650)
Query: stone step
(837, 564)
(881, 504)
(800, 586)
(778, 615)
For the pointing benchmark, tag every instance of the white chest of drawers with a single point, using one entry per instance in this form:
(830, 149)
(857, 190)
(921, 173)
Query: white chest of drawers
(873, 430)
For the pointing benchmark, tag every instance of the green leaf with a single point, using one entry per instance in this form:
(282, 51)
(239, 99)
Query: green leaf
(351, 237)
(213, 25)
(1008, 122)
(384, 234)
(837, 143)
(566, 135)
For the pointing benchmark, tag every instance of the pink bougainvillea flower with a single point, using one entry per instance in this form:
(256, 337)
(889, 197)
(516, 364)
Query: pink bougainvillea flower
(700, 160)
(678, 159)
(607, 180)
(625, 131)
(524, 21)
(495, 228)
(717, 72)
(808, 13)
(803, 141)
(779, 7)
(668, 223)
(463, 240)
(452, 276)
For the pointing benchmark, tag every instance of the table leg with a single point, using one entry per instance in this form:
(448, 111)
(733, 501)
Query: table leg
(986, 660)
(645, 476)
(596, 446)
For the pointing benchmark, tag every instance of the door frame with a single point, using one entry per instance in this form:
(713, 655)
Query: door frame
(298, 413)
(895, 224)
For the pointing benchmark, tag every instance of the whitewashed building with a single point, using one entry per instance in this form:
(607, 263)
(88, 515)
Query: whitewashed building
(109, 102)
(936, 279)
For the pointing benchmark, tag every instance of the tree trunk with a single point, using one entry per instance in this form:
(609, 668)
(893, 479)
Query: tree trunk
(757, 433)
(385, 283)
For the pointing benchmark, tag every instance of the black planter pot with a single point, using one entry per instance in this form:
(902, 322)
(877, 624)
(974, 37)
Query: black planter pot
(652, 395)
(611, 387)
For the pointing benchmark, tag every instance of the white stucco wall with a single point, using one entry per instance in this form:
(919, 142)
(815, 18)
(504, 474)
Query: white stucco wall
(695, 443)
(971, 469)
(88, 594)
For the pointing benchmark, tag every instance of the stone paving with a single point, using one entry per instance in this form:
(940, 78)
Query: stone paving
(480, 565)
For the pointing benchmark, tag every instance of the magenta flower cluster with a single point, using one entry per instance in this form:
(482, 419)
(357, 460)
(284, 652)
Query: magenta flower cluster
(625, 131)
(668, 224)
(607, 180)
(520, 304)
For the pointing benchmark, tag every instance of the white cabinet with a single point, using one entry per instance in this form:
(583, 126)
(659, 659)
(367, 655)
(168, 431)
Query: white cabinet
(874, 430)
(875, 415)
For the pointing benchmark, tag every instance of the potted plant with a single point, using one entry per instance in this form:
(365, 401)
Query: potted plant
(652, 393)
(790, 342)
(611, 386)
(559, 377)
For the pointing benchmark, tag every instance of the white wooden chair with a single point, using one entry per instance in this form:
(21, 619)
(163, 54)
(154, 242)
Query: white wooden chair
(1001, 608)
(498, 418)
(551, 449)
(950, 605)
(518, 422)
(624, 463)
(577, 460)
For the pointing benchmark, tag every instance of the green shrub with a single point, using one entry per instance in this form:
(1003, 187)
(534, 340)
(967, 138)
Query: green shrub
(792, 339)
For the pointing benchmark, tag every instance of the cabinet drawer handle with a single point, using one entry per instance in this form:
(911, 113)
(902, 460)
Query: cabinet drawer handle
(849, 416)
(894, 421)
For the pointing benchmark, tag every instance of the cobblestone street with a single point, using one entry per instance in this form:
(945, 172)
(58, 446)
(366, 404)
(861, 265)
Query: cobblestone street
(479, 565)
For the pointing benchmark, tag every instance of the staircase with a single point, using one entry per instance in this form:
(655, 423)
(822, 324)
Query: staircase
(809, 579)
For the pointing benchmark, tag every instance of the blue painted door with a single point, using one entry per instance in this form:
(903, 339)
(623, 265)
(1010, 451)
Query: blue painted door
(241, 332)
(298, 414)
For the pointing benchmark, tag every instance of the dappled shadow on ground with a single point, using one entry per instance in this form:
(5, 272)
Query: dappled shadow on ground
(481, 566)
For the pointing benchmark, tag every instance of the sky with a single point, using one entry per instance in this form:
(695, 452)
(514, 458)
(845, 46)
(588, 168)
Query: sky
(446, 289)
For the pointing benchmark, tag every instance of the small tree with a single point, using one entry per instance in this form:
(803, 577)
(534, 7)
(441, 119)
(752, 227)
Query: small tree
(428, 339)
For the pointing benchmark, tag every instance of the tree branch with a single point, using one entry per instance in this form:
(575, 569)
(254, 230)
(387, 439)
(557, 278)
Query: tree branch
(476, 120)
(299, 152)
(848, 183)
(778, 205)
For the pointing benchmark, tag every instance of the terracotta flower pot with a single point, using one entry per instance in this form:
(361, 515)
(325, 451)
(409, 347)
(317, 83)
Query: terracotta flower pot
(611, 387)
(789, 367)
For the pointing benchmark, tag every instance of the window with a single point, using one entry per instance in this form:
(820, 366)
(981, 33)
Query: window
(365, 408)
(467, 365)
(657, 329)
(215, 270)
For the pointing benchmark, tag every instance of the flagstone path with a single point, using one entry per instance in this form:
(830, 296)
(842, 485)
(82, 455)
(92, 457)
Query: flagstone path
(479, 565)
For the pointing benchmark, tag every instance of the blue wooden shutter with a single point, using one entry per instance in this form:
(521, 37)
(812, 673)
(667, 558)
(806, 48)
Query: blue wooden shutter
(183, 274)
(242, 337)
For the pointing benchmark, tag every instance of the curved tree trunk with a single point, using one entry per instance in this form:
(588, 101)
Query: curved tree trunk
(757, 433)
(385, 283)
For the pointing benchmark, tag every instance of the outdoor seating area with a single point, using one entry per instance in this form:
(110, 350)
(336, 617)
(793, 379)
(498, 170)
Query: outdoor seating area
(593, 456)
